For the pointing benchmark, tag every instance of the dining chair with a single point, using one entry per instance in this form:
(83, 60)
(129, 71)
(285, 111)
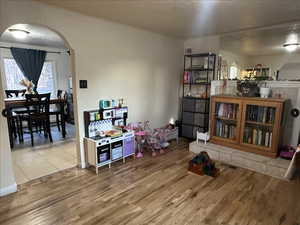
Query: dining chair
(15, 93)
(14, 117)
(57, 111)
(37, 114)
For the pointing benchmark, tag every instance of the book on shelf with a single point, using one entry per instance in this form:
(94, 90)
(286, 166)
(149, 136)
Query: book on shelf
(226, 110)
(195, 78)
(225, 130)
(257, 136)
(260, 114)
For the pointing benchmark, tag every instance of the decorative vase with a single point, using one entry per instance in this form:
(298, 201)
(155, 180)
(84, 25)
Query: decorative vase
(264, 92)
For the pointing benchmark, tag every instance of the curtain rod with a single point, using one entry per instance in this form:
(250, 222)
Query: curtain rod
(68, 51)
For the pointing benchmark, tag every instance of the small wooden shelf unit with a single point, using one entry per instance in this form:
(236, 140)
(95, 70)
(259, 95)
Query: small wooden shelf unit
(248, 124)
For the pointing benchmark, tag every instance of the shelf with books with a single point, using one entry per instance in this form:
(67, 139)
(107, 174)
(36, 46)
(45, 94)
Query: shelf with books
(260, 114)
(225, 130)
(226, 119)
(226, 110)
(248, 124)
(259, 123)
(258, 136)
(199, 70)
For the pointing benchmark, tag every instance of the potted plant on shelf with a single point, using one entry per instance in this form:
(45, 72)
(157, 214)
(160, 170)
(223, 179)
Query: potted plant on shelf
(264, 91)
(249, 86)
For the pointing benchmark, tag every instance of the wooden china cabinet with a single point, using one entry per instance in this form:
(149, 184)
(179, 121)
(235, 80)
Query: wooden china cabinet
(248, 124)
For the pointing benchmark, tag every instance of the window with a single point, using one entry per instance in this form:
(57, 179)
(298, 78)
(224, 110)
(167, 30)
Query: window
(14, 76)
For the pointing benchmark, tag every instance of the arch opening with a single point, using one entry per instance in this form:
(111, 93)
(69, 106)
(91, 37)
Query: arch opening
(57, 74)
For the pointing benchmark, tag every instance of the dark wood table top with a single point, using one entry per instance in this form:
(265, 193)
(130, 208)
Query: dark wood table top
(21, 101)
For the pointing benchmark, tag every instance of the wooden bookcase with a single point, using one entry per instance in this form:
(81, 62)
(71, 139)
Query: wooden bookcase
(248, 124)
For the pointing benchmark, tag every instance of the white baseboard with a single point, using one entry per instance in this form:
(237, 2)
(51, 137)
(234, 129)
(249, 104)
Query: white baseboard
(8, 190)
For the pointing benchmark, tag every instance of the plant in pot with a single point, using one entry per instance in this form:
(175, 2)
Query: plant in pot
(254, 86)
(264, 91)
(248, 87)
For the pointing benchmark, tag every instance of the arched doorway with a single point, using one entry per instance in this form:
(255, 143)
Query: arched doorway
(58, 73)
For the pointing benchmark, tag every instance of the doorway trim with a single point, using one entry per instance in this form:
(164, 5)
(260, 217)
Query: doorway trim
(80, 156)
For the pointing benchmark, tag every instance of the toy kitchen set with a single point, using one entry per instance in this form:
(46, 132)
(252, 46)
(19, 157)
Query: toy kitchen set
(106, 140)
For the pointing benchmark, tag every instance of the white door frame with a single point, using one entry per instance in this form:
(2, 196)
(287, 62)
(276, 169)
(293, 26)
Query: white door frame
(7, 178)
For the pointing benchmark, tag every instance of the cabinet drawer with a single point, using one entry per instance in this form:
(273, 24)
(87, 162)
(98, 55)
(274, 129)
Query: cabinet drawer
(188, 104)
(187, 131)
(188, 118)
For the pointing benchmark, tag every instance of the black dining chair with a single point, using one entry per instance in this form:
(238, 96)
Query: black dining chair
(38, 114)
(14, 117)
(15, 93)
(57, 111)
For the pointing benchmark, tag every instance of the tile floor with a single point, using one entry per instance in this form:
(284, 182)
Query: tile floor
(44, 158)
(32, 163)
(39, 138)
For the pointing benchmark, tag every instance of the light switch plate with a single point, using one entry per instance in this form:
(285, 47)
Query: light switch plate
(82, 83)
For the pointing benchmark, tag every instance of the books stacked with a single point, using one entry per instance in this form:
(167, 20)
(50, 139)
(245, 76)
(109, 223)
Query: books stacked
(226, 110)
(260, 114)
(225, 130)
(258, 136)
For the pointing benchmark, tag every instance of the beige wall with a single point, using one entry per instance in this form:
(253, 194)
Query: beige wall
(275, 62)
(204, 44)
(240, 60)
(7, 180)
(117, 60)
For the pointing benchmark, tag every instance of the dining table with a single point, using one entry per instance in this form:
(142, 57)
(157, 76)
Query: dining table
(20, 102)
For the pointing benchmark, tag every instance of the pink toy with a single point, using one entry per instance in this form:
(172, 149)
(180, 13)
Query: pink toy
(155, 139)
(139, 137)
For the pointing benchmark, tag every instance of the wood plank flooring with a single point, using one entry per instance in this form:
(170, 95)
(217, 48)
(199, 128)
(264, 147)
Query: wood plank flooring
(154, 191)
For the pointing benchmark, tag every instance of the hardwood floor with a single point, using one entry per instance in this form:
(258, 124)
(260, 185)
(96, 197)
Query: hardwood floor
(154, 191)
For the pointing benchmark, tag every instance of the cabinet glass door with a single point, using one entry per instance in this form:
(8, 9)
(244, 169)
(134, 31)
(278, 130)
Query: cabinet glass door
(226, 121)
(258, 127)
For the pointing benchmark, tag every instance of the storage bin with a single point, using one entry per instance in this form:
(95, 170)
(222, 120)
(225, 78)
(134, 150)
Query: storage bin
(188, 118)
(200, 105)
(188, 104)
(187, 131)
(201, 119)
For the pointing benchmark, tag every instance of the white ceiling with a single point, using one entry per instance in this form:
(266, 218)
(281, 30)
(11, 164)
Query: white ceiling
(188, 18)
(267, 41)
(38, 36)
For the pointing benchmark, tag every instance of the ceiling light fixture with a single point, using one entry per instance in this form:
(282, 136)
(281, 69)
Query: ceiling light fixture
(18, 33)
(291, 46)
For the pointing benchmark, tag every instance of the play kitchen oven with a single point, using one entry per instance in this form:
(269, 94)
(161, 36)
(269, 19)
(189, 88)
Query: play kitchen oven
(104, 151)
(116, 148)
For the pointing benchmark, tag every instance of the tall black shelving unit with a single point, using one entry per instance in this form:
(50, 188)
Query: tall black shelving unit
(200, 69)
